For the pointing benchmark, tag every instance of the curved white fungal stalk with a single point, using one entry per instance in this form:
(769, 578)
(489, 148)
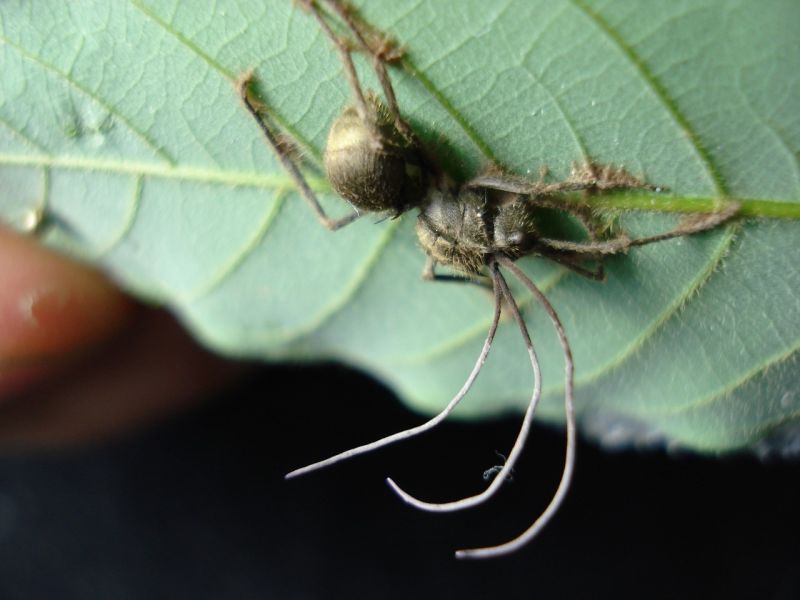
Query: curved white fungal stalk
(430, 424)
(522, 436)
(569, 406)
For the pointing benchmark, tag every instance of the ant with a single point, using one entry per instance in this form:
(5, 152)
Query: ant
(375, 161)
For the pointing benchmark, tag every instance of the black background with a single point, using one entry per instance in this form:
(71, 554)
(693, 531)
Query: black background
(197, 508)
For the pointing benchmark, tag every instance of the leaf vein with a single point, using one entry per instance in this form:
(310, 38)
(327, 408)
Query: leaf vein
(110, 109)
(215, 280)
(341, 302)
(130, 218)
(160, 170)
(660, 93)
(725, 392)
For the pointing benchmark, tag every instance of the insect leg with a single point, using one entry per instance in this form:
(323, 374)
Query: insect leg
(689, 226)
(532, 188)
(693, 224)
(569, 407)
(571, 261)
(347, 61)
(522, 436)
(429, 274)
(378, 65)
(614, 246)
(431, 423)
(256, 110)
(590, 177)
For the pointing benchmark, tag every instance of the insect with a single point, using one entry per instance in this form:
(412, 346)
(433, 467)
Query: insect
(474, 228)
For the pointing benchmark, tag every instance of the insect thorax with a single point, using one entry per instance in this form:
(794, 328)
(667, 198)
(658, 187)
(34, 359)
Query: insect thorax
(461, 231)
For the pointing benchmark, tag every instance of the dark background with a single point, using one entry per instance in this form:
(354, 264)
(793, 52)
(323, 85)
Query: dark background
(197, 508)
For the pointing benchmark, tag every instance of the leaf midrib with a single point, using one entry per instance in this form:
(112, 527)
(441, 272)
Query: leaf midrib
(231, 177)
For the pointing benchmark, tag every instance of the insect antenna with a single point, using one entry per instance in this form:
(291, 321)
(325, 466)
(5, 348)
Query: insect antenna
(502, 475)
(569, 406)
(433, 422)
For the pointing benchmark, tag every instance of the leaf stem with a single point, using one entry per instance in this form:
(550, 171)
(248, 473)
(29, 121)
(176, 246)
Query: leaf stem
(751, 207)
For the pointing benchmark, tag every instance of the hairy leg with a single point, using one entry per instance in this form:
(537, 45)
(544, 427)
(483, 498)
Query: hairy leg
(429, 274)
(587, 177)
(256, 109)
(378, 58)
(689, 225)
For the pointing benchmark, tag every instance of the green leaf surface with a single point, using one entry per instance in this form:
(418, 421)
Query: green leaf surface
(119, 119)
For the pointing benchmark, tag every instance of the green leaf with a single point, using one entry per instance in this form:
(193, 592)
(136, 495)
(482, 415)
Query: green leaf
(120, 120)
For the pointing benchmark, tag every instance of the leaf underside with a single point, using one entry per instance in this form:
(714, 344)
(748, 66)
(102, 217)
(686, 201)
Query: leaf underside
(120, 121)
